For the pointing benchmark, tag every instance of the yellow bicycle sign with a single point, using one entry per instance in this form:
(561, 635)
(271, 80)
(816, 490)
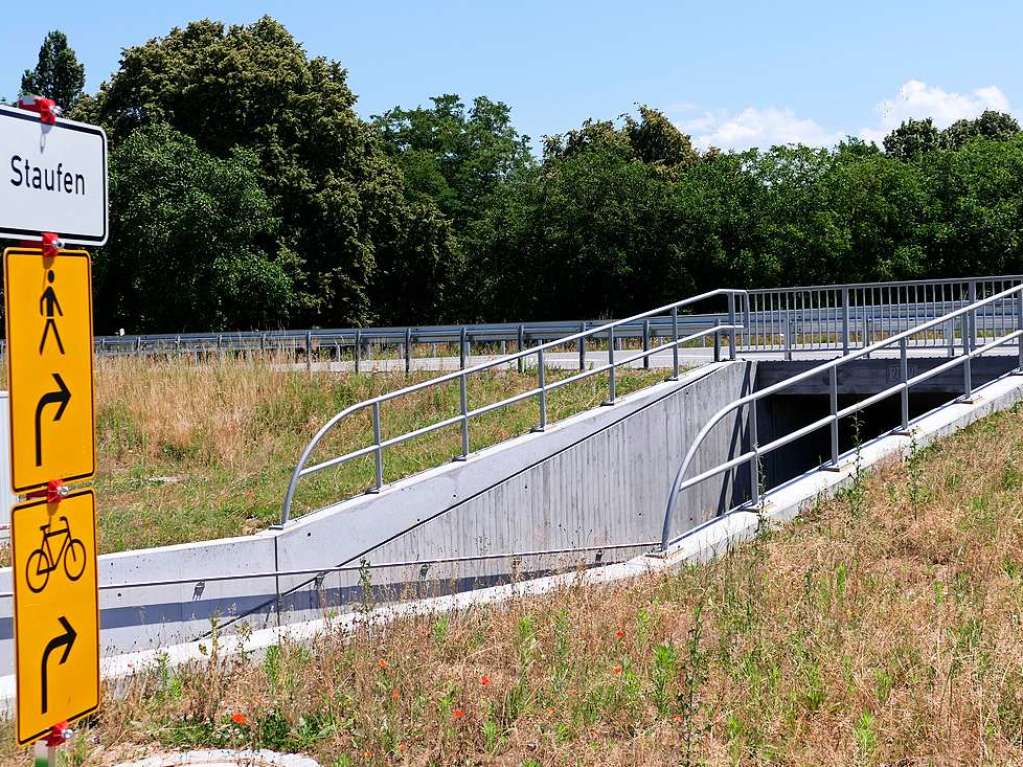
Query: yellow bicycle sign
(44, 561)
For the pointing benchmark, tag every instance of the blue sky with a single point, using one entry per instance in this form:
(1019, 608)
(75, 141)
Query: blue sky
(731, 73)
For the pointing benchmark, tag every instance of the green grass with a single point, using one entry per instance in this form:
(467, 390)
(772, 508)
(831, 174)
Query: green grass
(882, 628)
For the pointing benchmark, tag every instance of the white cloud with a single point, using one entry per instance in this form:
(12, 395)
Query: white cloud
(754, 126)
(918, 100)
(766, 126)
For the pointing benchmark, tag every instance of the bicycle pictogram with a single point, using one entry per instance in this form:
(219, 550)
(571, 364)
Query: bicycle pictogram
(43, 561)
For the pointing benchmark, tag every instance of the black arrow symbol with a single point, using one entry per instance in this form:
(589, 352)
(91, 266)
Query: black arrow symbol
(60, 397)
(67, 639)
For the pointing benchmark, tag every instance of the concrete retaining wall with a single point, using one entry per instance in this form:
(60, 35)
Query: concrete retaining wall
(598, 479)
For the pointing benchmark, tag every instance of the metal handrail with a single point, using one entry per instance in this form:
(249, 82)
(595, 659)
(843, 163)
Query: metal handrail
(540, 391)
(970, 350)
(890, 283)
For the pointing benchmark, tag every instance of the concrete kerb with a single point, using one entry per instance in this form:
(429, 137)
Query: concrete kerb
(703, 544)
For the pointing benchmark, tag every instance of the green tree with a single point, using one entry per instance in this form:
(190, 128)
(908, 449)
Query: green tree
(340, 200)
(58, 75)
(997, 126)
(912, 139)
(193, 242)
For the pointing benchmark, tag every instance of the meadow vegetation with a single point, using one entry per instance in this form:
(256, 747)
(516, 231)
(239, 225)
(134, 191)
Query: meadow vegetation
(880, 629)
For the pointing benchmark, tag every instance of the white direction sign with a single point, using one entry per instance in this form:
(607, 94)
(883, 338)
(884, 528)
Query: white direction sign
(53, 178)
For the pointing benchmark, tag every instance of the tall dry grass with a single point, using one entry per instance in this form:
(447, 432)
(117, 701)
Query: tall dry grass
(196, 450)
(882, 629)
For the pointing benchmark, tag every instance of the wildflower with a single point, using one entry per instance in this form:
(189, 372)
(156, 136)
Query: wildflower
(617, 669)
(395, 694)
(383, 664)
(457, 713)
(619, 634)
(239, 718)
(367, 754)
(485, 680)
(677, 719)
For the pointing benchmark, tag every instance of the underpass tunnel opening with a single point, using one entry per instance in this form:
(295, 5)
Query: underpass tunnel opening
(782, 414)
(809, 400)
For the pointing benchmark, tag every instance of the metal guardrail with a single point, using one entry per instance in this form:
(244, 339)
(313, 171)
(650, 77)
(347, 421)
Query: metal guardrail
(996, 317)
(539, 392)
(815, 317)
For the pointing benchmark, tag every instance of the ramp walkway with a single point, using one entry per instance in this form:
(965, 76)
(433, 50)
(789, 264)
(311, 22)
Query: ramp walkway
(640, 474)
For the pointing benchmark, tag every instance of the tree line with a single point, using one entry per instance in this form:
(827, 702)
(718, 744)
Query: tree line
(247, 193)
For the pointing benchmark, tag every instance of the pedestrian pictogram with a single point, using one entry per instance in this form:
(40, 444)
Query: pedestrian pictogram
(56, 616)
(49, 337)
(48, 304)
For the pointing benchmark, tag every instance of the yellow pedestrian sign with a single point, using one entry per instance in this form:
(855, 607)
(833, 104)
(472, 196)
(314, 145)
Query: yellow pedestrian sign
(48, 302)
(56, 612)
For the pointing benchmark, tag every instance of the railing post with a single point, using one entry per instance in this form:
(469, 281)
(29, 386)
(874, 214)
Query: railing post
(787, 330)
(731, 321)
(611, 384)
(379, 454)
(754, 464)
(967, 369)
(950, 338)
(973, 316)
(522, 344)
(1019, 327)
(541, 377)
(674, 348)
(868, 334)
(309, 351)
(833, 402)
(461, 348)
(463, 397)
(717, 345)
(904, 370)
(845, 321)
(408, 351)
(646, 344)
(358, 349)
(582, 347)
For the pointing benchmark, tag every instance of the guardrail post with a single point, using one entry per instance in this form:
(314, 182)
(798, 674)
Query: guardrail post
(582, 347)
(731, 321)
(904, 398)
(463, 397)
(379, 454)
(611, 385)
(717, 345)
(461, 348)
(646, 344)
(868, 334)
(358, 349)
(967, 369)
(674, 348)
(541, 377)
(138, 346)
(309, 351)
(787, 330)
(408, 351)
(950, 338)
(522, 345)
(845, 321)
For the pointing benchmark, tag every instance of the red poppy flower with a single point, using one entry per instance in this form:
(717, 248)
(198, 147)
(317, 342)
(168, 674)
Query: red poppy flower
(239, 718)
(617, 669)
(485, 680)
(457, 713)
(382, 663)
(619, 634)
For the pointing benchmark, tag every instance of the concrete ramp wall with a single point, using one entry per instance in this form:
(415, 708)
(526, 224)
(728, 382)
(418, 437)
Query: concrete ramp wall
(597, 481)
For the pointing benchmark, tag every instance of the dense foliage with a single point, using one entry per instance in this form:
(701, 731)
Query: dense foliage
(246, 192)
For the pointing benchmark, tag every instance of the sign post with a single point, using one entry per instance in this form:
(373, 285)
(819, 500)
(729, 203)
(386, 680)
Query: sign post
(53, 189)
